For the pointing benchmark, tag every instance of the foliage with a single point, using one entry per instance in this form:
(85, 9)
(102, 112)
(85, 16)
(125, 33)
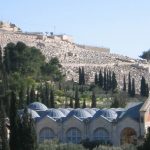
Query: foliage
(146, 55)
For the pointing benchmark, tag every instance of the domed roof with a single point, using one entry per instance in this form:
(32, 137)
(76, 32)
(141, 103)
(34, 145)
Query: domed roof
(91, 111)
(80, 113)
(96, 109)
(54, 113)
(33, 113)
(37, 106)
(64, 111)
(107, 113)
(70, 109)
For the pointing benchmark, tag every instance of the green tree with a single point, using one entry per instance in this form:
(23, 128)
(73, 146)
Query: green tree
(3, 128)
(100, 79)
(14, 134)
(124, 83)
(144, 87)
(77, 100)
(32, 95)
(96, 79)
(133, 88)
(84, 104)
(114, 81)
(129, 84)
(71, 103)
(28, 132)
(93, 104)
(52, 100)
(146, 55)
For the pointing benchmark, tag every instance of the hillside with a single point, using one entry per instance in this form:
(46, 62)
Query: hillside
(72, 56)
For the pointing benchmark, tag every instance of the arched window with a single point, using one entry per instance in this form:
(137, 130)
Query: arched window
(101, 134)
(46, 134)
(73, 135)
(128, 136)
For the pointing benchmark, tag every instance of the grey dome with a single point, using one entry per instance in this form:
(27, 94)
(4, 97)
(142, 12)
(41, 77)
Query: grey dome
(91, 111)
(96, 109)
(70, 109)
(107, 113)
(54, 113)
(33, 113)
(80, 113)
(64, 111)
(37, 106)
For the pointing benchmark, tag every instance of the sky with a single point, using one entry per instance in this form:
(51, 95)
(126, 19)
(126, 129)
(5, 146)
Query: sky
(121, 25)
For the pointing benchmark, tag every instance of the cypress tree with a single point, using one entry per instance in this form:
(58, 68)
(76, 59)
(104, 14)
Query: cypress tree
(28, 133)
(47, 95)
(100, 79)
(80, 76)
(143, 87)
(52, 100)
(96, 79)
(114, 82)
(21, 97)
(105, 80)
(14, 140)
(109, 80)
(133, 88)
(28, 96)
(77, 100)
(71, 103)
(93, 104)
(129, 84)
(147, 90)
(124, 83)
(83, 76)
(3, 129)
(32, 95)
(84, 104)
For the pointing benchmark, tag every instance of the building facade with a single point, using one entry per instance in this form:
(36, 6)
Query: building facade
(115, 125)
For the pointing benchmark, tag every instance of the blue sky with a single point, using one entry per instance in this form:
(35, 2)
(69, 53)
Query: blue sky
(121, 25)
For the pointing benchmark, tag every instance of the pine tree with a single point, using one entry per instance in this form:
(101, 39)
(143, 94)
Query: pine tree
(77, 100)
(84, 104)
(114, 82)
(14, 140)
(96, 79)
(129, 84)
(93, 104)
(100, 79)
(52, 100)
(124, 83)
(133, 88)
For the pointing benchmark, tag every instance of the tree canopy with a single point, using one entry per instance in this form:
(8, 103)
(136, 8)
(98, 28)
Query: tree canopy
(146, 55)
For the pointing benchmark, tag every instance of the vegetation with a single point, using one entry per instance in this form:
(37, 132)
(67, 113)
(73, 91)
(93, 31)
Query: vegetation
(146, 55)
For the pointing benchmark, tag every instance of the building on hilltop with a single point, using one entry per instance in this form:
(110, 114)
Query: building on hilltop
(115, 125)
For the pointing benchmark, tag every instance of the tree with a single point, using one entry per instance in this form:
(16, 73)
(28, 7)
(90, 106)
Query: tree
(133, 88)
(52, 100)
(77, 100)
(147, 90)
(32, 95)
(144, 87)
(93, 104)
(28, 133)
(105, 80)
(83, 76)
(129, 84)
(146, 55)
(71, 103)
(14, 134)
(80, 76)
(124, 83)
(100, 79)
(3, 128)
(84, 104)
(96, 79)
(114, 82)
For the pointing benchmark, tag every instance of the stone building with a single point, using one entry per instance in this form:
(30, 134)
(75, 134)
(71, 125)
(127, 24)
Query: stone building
(115, 125)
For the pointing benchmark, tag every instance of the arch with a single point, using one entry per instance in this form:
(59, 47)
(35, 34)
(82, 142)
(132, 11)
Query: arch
(46, 134)
(128, 136)
(101, 134)
(73, 135)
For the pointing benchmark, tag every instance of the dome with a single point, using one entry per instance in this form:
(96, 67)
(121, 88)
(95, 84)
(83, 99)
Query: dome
(91, 111)
(54, 113)
(64, 111)
(96, 109)
(37, 106)
(80, 113)
(70, 109)
(107, 113)
(33, 113)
